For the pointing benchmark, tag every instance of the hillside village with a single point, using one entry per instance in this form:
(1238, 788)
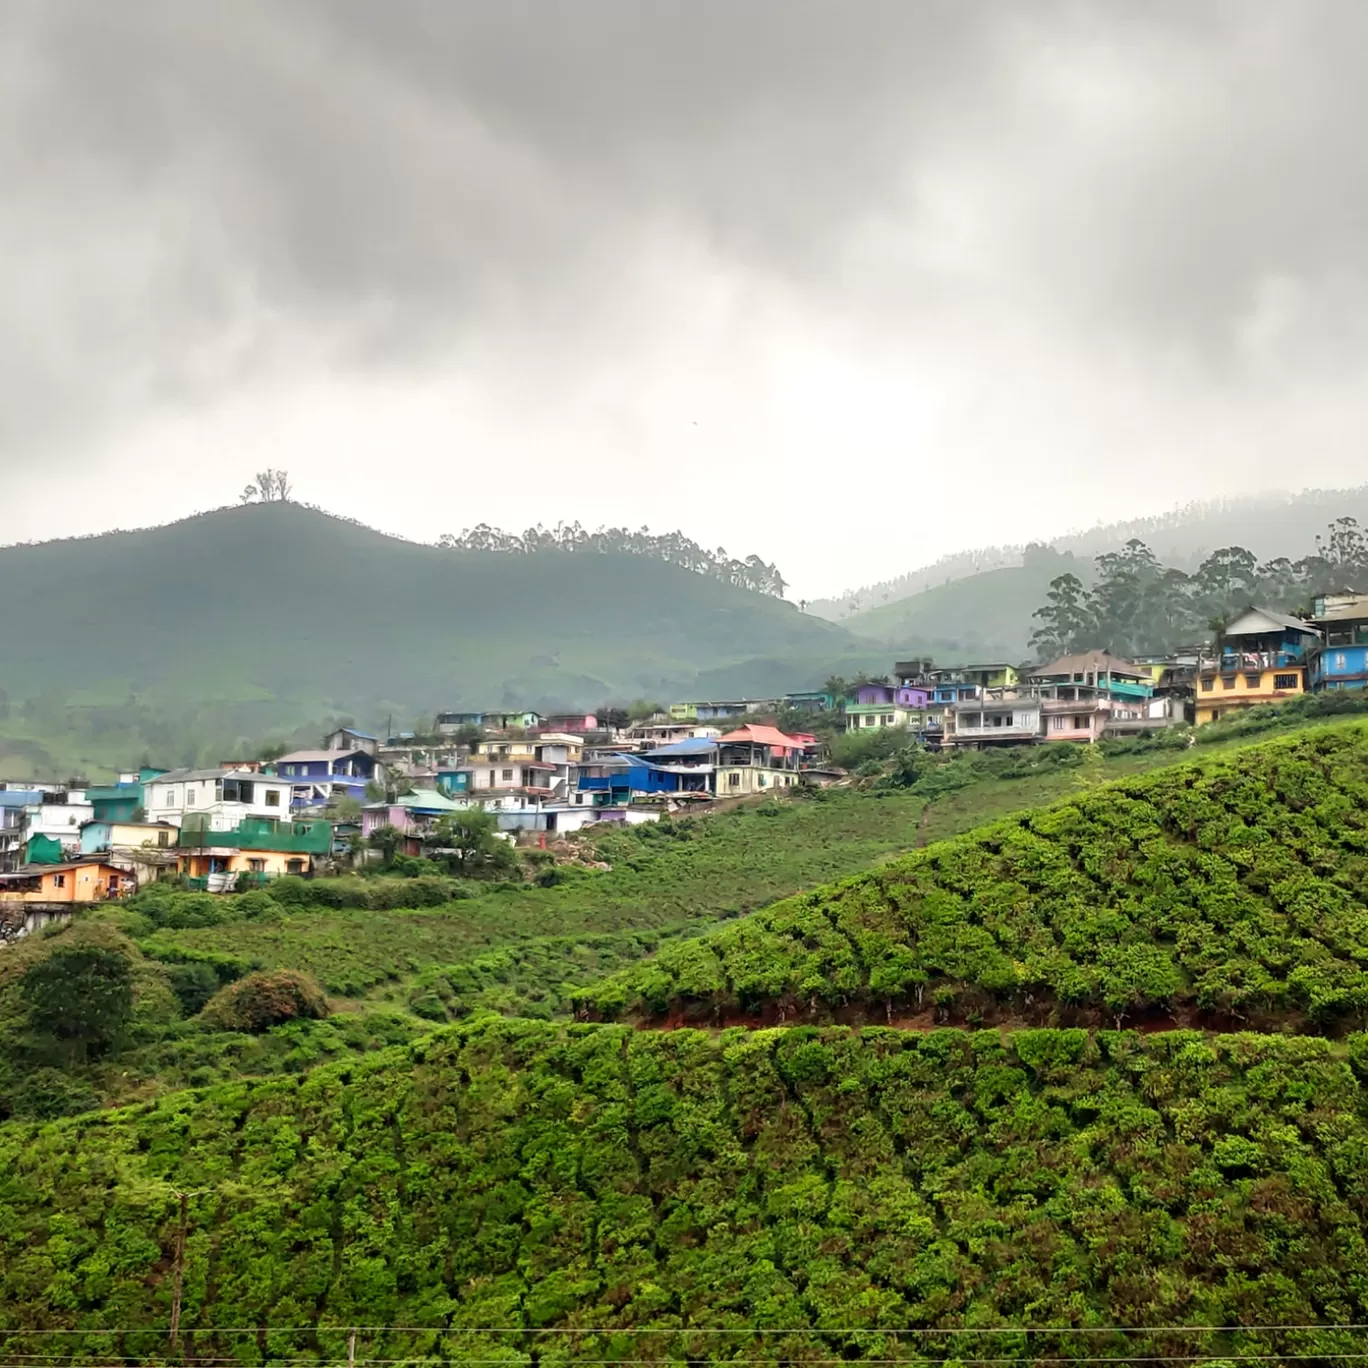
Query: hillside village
(243, 822)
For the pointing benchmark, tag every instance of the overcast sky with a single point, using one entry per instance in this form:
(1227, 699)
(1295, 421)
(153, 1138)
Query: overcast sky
(848, 284)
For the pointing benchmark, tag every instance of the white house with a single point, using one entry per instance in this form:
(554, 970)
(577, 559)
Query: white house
(223, 797)
(994, 722)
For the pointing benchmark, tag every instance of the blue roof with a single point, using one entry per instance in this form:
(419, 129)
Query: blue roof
(695, 745)
(351, 731)
(20, 797)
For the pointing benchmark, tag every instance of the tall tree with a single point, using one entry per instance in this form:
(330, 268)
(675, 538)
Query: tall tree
(80, 997)
(1066, 619)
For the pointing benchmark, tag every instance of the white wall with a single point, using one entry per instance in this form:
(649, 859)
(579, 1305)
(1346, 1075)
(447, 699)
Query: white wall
(170, 801)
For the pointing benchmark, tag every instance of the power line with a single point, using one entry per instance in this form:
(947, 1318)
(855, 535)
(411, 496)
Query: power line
(1355, 1326)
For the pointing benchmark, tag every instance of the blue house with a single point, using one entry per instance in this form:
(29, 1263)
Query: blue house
(681, 768)
(1341, 662)
(317, 777)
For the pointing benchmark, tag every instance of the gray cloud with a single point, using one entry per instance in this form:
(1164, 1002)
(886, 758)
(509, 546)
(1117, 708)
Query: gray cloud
(201, 198)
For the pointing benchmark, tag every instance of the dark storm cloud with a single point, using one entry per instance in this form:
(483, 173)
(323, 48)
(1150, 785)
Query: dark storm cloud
(193, 189)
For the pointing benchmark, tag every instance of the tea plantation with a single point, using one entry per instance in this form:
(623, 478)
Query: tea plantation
(1234, 889)
(876, 1178)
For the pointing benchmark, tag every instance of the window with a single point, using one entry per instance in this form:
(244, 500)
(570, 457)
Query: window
(888, 719)
(272, 797)
(1208, 685)
(1056, 724)
(1285, 681)
(1341, 662)
(506, 775)
(257, 866)
(294, 866)
(1227, 681)
(59, 880)
(1080, 724)
(190, 796)
(1253, 681)
(163, 838)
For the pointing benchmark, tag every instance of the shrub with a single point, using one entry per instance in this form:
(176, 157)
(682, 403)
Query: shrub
(47, 1093)
(193, 984)
(265, 999)
(80, 996)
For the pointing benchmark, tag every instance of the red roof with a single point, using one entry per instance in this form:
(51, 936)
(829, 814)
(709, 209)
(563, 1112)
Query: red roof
(763, 736)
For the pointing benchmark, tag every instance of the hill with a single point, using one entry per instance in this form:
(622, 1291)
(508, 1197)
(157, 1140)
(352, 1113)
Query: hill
(594, 1194)
(983, 617)
(276, 613)
(1225, 893)
(527, 1191)
(980, 602)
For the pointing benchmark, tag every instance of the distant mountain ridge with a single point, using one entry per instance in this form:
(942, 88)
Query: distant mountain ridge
(1267, 524)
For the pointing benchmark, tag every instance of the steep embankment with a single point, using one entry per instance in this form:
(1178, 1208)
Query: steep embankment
(593, 1194)
(1230, 894)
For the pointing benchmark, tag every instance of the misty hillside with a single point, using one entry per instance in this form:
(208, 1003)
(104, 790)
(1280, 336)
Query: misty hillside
(1267, 524)
(979, 618)
(278, 602)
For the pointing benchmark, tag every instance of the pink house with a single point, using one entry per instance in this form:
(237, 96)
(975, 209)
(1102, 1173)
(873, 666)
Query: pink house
(575, 723)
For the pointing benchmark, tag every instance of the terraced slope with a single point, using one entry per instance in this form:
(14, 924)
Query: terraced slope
(622, 1186)
(1228, 894)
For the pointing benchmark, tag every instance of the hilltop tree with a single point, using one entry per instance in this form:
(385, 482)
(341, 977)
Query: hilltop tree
(272, 486)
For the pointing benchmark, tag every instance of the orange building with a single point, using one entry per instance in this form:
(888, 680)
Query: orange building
(80, 881)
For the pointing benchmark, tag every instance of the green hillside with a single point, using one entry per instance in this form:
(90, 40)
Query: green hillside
(879, 1187)
(268, 615)
(593, 1194)
(982, 617)
(1231, 892)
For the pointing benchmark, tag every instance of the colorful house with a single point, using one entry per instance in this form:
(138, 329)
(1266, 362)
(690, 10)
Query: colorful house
(811, 700)
(253, 852)
(115, 802)
(870, 706)
(575, 723)
(413, 813)
(719, 710)
(994, 721)
(319, 777)
(754, 759)
(222, 798)
(1261, 658)
(349, 739)
(1341, 660)
(76, 881)
(620, 779)
(1086, 695)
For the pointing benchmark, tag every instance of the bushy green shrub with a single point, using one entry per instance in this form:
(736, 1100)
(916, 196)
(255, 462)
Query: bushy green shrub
(46, 1093)
(265, 999)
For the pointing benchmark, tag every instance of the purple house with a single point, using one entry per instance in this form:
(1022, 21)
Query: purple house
(891, 695)
(318, 776)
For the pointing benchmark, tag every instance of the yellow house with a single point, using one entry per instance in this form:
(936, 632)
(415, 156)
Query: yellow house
(1222, 689)
(79, 881)
(199, 864)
